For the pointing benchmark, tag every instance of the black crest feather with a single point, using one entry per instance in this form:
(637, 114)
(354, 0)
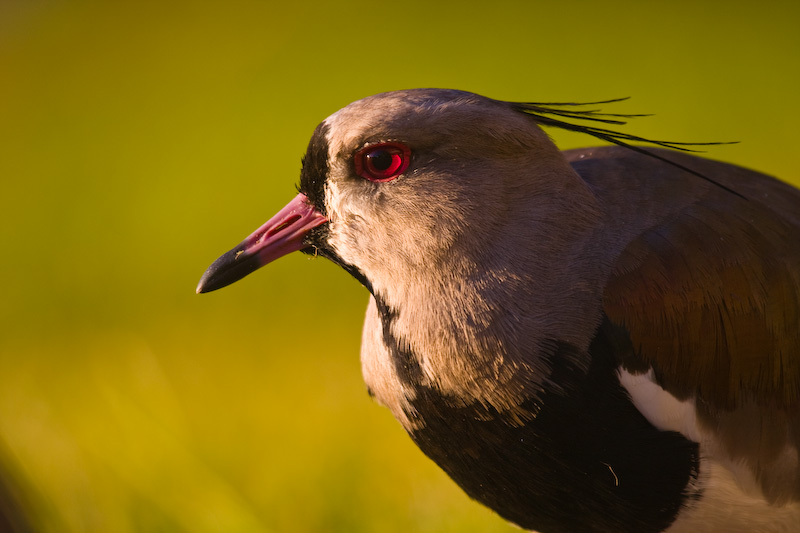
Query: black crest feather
(558, 115)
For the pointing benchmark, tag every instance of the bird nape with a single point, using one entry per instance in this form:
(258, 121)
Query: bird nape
(599, 340)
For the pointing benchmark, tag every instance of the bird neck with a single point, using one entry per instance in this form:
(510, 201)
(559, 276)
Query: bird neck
(473, 325)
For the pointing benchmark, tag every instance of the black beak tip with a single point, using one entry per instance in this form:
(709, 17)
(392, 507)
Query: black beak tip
(228, 268)
(204, 285)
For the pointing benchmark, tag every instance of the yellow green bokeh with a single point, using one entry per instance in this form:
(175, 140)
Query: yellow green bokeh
(140, 140)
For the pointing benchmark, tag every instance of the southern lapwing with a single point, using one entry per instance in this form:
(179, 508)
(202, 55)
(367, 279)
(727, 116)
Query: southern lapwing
(603, 340)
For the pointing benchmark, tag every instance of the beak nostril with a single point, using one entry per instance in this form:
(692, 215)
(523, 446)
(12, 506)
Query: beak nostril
(282, 226)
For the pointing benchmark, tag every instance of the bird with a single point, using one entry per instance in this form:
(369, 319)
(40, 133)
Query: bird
(603, 339)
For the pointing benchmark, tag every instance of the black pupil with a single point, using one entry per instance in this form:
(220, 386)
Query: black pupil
(380, 160)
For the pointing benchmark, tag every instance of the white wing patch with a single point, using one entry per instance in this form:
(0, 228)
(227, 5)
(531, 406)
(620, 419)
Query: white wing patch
(729, 496)
(659, 407)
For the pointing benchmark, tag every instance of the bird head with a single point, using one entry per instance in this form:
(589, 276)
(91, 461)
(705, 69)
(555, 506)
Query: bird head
(413, 186)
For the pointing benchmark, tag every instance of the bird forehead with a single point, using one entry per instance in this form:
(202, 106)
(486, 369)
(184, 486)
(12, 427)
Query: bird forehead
(411, 115)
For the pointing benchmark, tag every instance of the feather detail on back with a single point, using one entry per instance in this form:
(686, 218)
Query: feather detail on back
(710, 297)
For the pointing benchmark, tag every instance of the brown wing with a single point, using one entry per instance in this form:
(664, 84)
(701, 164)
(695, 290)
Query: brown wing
(711, 301)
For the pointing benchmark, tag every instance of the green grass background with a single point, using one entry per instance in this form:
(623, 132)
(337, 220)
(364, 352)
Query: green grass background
(140, 140)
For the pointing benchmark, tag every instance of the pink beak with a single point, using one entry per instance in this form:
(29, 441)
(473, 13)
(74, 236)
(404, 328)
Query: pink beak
(282, 234)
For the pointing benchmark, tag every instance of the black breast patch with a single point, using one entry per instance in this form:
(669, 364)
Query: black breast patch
(587, 462)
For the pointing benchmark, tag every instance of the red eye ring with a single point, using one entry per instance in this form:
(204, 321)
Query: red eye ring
(382, 161)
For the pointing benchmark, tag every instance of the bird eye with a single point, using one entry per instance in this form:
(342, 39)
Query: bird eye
(383, 161)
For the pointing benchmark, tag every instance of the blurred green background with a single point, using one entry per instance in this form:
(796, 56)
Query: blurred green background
(140, 140)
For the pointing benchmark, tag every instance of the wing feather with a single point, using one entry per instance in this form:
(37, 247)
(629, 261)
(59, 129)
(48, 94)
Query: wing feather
(710, 299)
